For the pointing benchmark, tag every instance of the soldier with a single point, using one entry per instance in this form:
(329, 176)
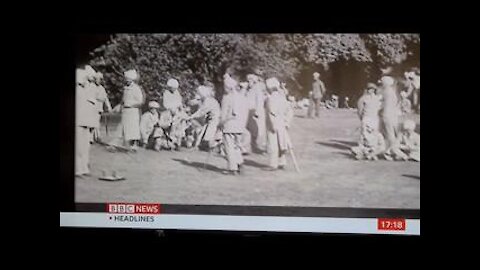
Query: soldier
(389, 117)
(131, 103)
(277, 123)
(410, 141)
(210, 109)
(256, 123)
(85, 122)
(172, 99)
(244, 110)
(318, 90)
(232, 124)
(368, 107)
(102, 100)
(346, 103)
(148, 123)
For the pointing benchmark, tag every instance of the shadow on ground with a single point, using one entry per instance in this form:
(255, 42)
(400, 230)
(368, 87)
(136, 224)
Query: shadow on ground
(199, 165)
(252, 163)
(411, 176)
(338, 144)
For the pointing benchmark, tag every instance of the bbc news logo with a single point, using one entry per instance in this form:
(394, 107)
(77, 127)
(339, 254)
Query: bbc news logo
(133, 208)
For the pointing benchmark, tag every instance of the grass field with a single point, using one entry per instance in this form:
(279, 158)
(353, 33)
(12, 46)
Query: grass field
(330, 177)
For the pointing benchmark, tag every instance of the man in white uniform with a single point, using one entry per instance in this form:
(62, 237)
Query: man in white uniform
(257, 121)
(132, 101)
(232, 125)
(368, 107)
(210, 109)
(244, 111)
(389, 117)
(85, 122)
(277, 122)
(172, 100)
(102, 100)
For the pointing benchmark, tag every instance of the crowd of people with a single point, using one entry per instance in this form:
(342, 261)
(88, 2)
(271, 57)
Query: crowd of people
(381, 134)
(253, 117)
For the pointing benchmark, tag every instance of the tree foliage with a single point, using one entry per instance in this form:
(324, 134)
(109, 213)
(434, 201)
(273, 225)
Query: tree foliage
(194, 59)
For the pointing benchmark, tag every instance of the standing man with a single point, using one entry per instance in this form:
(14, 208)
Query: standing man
(257, 124)
(132, 101)
(368, 107)
(172, 100)
(102, 100)
(389, 117)
(232, 125)
(244, 110)
(277, 122)
(85, 122)
(210, 109)
(318, 90)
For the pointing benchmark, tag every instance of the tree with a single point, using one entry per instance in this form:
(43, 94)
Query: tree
(194, 59)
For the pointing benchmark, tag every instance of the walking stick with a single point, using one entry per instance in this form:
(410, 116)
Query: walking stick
(292, 154)
(106, 124)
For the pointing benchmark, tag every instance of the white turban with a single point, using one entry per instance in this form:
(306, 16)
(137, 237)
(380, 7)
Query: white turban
(244, 84)
(251, 77)
(172, 83)
(81, 76)
(315, 74)
(387, 81)
(409, 124)
(272, 83)
(131, 75)
(91, 74)
(153, 104)
(230, 83)
(205, 91)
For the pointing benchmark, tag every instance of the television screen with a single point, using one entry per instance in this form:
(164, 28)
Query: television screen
(271, 132)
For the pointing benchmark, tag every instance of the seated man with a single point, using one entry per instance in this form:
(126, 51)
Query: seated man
(371, 142)
(148, 123)
(332, 103)
(162, 133)
(410, 141)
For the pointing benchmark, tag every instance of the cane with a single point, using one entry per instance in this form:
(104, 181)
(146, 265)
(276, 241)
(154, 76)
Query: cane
(106, 123)
(292, 154)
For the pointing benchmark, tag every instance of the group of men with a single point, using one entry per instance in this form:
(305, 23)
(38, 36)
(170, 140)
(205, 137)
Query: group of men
(253, 116)
(381, 134)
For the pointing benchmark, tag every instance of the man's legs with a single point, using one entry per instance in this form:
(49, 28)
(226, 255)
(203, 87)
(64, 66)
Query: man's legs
(260, 140)
(317, 107)
(311, 108)
(82, 150)
(273, 149)
(232, 151)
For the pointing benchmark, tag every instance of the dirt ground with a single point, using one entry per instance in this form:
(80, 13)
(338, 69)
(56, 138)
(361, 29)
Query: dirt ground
(330, 176)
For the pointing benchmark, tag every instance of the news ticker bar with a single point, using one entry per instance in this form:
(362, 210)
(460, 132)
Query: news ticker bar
(236, 223)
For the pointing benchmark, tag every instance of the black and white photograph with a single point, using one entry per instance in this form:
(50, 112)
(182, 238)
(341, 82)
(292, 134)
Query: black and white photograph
(243, 119)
